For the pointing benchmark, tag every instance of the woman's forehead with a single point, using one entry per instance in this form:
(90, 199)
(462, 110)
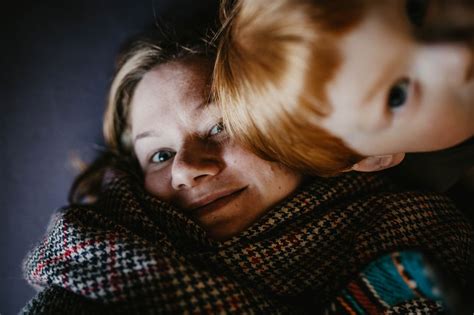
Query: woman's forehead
(176, 93)
(176, 81)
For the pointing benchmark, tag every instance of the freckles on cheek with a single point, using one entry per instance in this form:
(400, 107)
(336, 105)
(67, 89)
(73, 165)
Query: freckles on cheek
(238, 156)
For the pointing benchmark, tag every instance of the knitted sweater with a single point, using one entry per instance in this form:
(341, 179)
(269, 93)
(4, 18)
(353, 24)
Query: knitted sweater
(131, 254)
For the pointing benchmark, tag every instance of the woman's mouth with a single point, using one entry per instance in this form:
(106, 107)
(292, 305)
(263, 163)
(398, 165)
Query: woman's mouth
(215, 202)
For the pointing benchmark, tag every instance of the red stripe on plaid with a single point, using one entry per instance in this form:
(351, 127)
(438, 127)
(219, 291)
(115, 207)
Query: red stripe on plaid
(60, 257)
(41, 256)
(362, 299)
(67, 254)
(114, 280)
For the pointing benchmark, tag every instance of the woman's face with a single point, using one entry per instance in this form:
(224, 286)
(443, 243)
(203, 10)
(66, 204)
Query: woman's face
(189, 161)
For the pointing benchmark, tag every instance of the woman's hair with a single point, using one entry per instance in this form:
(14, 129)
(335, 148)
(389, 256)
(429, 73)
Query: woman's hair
(273, 62)
(141, 54)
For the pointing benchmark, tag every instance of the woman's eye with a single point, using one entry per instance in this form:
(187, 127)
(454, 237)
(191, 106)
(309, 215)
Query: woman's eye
(416, 11)
(398, 94)
(162, 156)
(216, 129)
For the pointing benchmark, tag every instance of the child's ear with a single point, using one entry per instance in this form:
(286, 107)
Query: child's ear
(378, 162)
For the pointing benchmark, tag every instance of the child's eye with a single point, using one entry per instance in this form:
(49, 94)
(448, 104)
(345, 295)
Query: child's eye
(398, 94)
(162, 156)
(416, 11)
(216, 129)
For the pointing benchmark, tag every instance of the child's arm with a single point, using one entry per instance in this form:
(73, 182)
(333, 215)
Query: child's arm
(398, 283)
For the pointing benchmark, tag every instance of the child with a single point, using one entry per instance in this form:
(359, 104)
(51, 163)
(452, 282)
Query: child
(332, 86)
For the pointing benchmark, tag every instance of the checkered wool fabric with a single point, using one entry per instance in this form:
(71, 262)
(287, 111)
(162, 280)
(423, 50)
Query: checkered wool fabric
(131, 253)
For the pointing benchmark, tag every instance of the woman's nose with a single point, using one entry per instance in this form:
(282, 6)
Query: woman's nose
(194, 164)
(448, 63)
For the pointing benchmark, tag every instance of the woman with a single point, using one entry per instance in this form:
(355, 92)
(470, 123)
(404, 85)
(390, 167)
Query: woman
(183, 219)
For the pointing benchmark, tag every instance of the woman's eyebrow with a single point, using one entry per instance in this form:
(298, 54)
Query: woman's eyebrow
(145, 134)
(204, 104)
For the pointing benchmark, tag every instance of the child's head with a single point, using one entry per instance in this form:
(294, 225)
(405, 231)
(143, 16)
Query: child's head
(329, 86)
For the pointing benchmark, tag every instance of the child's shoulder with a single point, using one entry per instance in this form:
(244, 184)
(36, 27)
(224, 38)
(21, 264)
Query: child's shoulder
(438, 170)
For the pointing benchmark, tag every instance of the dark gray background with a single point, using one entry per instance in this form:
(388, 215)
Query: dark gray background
(56, 64)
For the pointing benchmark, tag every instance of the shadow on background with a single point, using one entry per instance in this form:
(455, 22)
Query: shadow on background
(56, 62)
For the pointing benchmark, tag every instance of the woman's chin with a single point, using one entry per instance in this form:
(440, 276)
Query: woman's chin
(224, 228)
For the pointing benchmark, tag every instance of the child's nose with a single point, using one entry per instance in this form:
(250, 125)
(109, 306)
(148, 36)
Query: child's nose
(445, 63)
(193, 164)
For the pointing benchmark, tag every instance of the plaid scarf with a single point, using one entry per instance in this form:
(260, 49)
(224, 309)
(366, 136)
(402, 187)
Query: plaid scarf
(135, 253)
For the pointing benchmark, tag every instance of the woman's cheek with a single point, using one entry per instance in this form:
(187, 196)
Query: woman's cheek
(237, 156)
(158, 185)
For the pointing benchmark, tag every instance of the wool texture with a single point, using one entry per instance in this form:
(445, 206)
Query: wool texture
(130, 253)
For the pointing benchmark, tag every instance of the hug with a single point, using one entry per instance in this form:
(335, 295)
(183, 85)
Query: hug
(178, 215)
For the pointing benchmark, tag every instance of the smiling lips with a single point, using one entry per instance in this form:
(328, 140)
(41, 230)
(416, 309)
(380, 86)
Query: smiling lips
(213, 202)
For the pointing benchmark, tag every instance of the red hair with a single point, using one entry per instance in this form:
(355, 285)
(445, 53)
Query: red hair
(274, 60)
